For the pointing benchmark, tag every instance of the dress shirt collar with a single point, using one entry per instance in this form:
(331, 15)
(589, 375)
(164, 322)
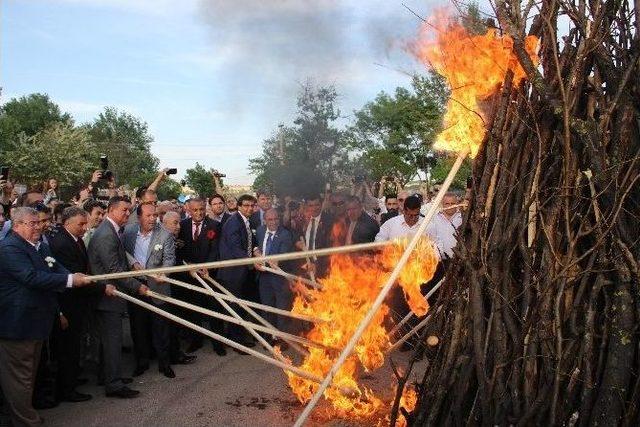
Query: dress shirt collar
(113, 223)
(75, 239)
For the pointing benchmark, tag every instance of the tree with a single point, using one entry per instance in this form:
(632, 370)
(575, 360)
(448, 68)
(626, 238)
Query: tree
(126, 141)
(27, 116)
(200, 180)
(538, 316)
(59, 151)
(392, 133)
(299, 159)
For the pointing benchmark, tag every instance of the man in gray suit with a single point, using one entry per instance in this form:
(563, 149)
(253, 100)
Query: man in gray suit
(149, 245)
(107, 255)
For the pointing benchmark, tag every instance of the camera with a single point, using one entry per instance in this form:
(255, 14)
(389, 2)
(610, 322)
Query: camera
(218, 174)
(105, 173)
(171, 171)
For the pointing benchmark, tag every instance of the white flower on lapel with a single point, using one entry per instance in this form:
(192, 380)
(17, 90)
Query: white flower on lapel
(157, 247)
(50, 261)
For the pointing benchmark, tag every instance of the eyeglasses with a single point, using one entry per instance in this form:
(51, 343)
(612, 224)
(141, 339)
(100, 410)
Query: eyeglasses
(31, 224)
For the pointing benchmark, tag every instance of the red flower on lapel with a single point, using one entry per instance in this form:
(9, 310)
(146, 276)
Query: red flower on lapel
(211, 234)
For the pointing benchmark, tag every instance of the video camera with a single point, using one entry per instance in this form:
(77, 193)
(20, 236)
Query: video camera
(105, 173)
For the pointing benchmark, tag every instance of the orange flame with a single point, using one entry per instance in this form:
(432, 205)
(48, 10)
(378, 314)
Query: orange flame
(348, 291)
(475, 66)
(407, 401)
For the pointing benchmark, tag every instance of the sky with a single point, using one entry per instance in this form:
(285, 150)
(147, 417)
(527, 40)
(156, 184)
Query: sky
(212, 78)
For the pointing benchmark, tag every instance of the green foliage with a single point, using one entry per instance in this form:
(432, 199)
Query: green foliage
(26, 116)
(471, 19)
(169, 189)
(443, 166)
(393, 132)
(200, 180)
(298, 160)
(126, 141)
(60, 151)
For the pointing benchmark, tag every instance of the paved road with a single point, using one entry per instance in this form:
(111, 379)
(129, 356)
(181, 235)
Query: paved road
(233, 390)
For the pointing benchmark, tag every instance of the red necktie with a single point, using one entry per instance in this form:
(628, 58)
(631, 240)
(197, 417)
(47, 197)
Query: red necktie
(196, 233)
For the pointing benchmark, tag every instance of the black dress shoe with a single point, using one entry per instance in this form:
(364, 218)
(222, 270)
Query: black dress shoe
(46, 403)
(167, 372)
(75, 396)
(185, 359)
(140, 369)
(220, 350)
(124, 393)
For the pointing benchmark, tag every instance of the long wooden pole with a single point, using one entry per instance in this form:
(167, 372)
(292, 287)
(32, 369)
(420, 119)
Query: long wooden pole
(256, 316)
(252, 304)
(411, 314)
(383, 292)
(239, 319)
(244, 323)
(290, 276)
(241, 261)
(224, 340)
(411, 332)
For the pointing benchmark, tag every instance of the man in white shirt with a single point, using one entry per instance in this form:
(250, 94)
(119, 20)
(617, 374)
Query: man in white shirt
(443, 226)
(405, 225)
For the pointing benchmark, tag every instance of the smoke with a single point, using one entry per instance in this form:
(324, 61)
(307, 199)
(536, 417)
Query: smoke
(268, 47)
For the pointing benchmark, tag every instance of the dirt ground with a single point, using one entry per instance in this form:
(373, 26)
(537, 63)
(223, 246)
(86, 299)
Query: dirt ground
(233, 390)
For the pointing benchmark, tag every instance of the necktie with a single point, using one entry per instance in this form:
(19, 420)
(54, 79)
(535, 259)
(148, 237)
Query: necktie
(249, 239)
(81, 245)
(196, 233)
(312, 235)
(267, 247)
(120, 233)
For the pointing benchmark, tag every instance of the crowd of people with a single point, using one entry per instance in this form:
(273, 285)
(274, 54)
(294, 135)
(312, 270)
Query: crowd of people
(58, 325)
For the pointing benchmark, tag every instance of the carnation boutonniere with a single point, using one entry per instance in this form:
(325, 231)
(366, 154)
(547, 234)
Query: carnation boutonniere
(211, 234)
(50, 261)
(157, 247)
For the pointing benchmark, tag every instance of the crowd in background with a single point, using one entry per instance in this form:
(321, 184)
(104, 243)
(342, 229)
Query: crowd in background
(67, 327)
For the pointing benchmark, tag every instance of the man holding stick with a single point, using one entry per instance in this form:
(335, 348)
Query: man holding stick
(30, 279)
(107, 255)
(273, 239)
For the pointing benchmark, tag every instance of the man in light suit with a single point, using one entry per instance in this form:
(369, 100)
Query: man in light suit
(107, 255)
(149, 245)
(272, 239)
(30, 279)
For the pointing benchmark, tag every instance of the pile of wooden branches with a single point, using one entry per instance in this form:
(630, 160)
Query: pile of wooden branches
(541, 309)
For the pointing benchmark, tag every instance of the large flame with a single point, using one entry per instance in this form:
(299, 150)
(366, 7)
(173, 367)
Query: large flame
(474, 67)
(350, 288)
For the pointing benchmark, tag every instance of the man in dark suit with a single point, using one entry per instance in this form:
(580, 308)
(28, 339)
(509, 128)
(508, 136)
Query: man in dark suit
(360, 227)
(263, 200)
(150, 246)
(272, 239)
(237, 241)
(199, 236)
(107, 255)
(68, 248)
(317, 233)
(218, 209)
(30, 279)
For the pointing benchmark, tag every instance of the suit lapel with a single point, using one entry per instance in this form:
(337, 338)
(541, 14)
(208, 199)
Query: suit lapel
(155, 234)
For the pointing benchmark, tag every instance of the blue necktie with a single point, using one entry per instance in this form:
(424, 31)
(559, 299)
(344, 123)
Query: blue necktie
(267, 248)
